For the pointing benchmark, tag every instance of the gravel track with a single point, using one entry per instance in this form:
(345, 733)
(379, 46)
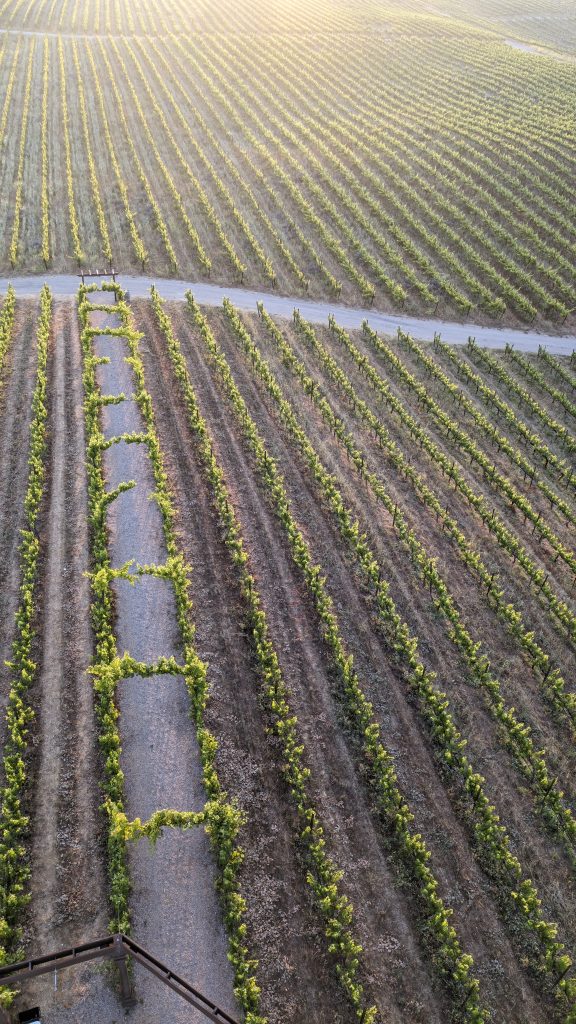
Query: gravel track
(66, 286)
(176, 914)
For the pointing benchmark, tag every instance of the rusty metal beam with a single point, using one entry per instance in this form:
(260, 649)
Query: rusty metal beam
(98, 273)
(179, 985)
(14, 973)
(116, 948)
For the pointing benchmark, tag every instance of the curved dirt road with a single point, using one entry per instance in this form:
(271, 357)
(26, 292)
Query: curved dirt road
(66, 286)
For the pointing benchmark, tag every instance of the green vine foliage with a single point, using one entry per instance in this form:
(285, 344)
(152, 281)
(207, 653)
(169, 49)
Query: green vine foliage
(557, 368)
(563, 470)
(454, 965)
(14, 821)
(7, 323)
(469, 447)
(537, 377)
(505, 538)
(490, 431)
(493, 366)
(491, 838)
(530, 762)
(552, 682)
(323, 875)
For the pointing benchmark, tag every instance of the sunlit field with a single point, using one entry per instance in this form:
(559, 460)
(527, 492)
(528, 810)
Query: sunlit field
(288, 508)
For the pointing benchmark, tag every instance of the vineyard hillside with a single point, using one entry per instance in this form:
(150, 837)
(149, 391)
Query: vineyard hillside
(382, 153)
(288, 510)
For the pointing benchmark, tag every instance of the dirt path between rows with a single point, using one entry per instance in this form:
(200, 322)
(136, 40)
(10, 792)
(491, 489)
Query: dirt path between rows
(69, 898)
(541, 51)
(66, 286)
(16, 389)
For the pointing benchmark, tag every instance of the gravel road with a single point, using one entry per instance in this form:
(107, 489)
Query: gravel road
(66, 286)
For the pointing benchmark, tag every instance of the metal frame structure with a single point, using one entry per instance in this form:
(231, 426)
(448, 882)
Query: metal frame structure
(97, 273)
(116, 948)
